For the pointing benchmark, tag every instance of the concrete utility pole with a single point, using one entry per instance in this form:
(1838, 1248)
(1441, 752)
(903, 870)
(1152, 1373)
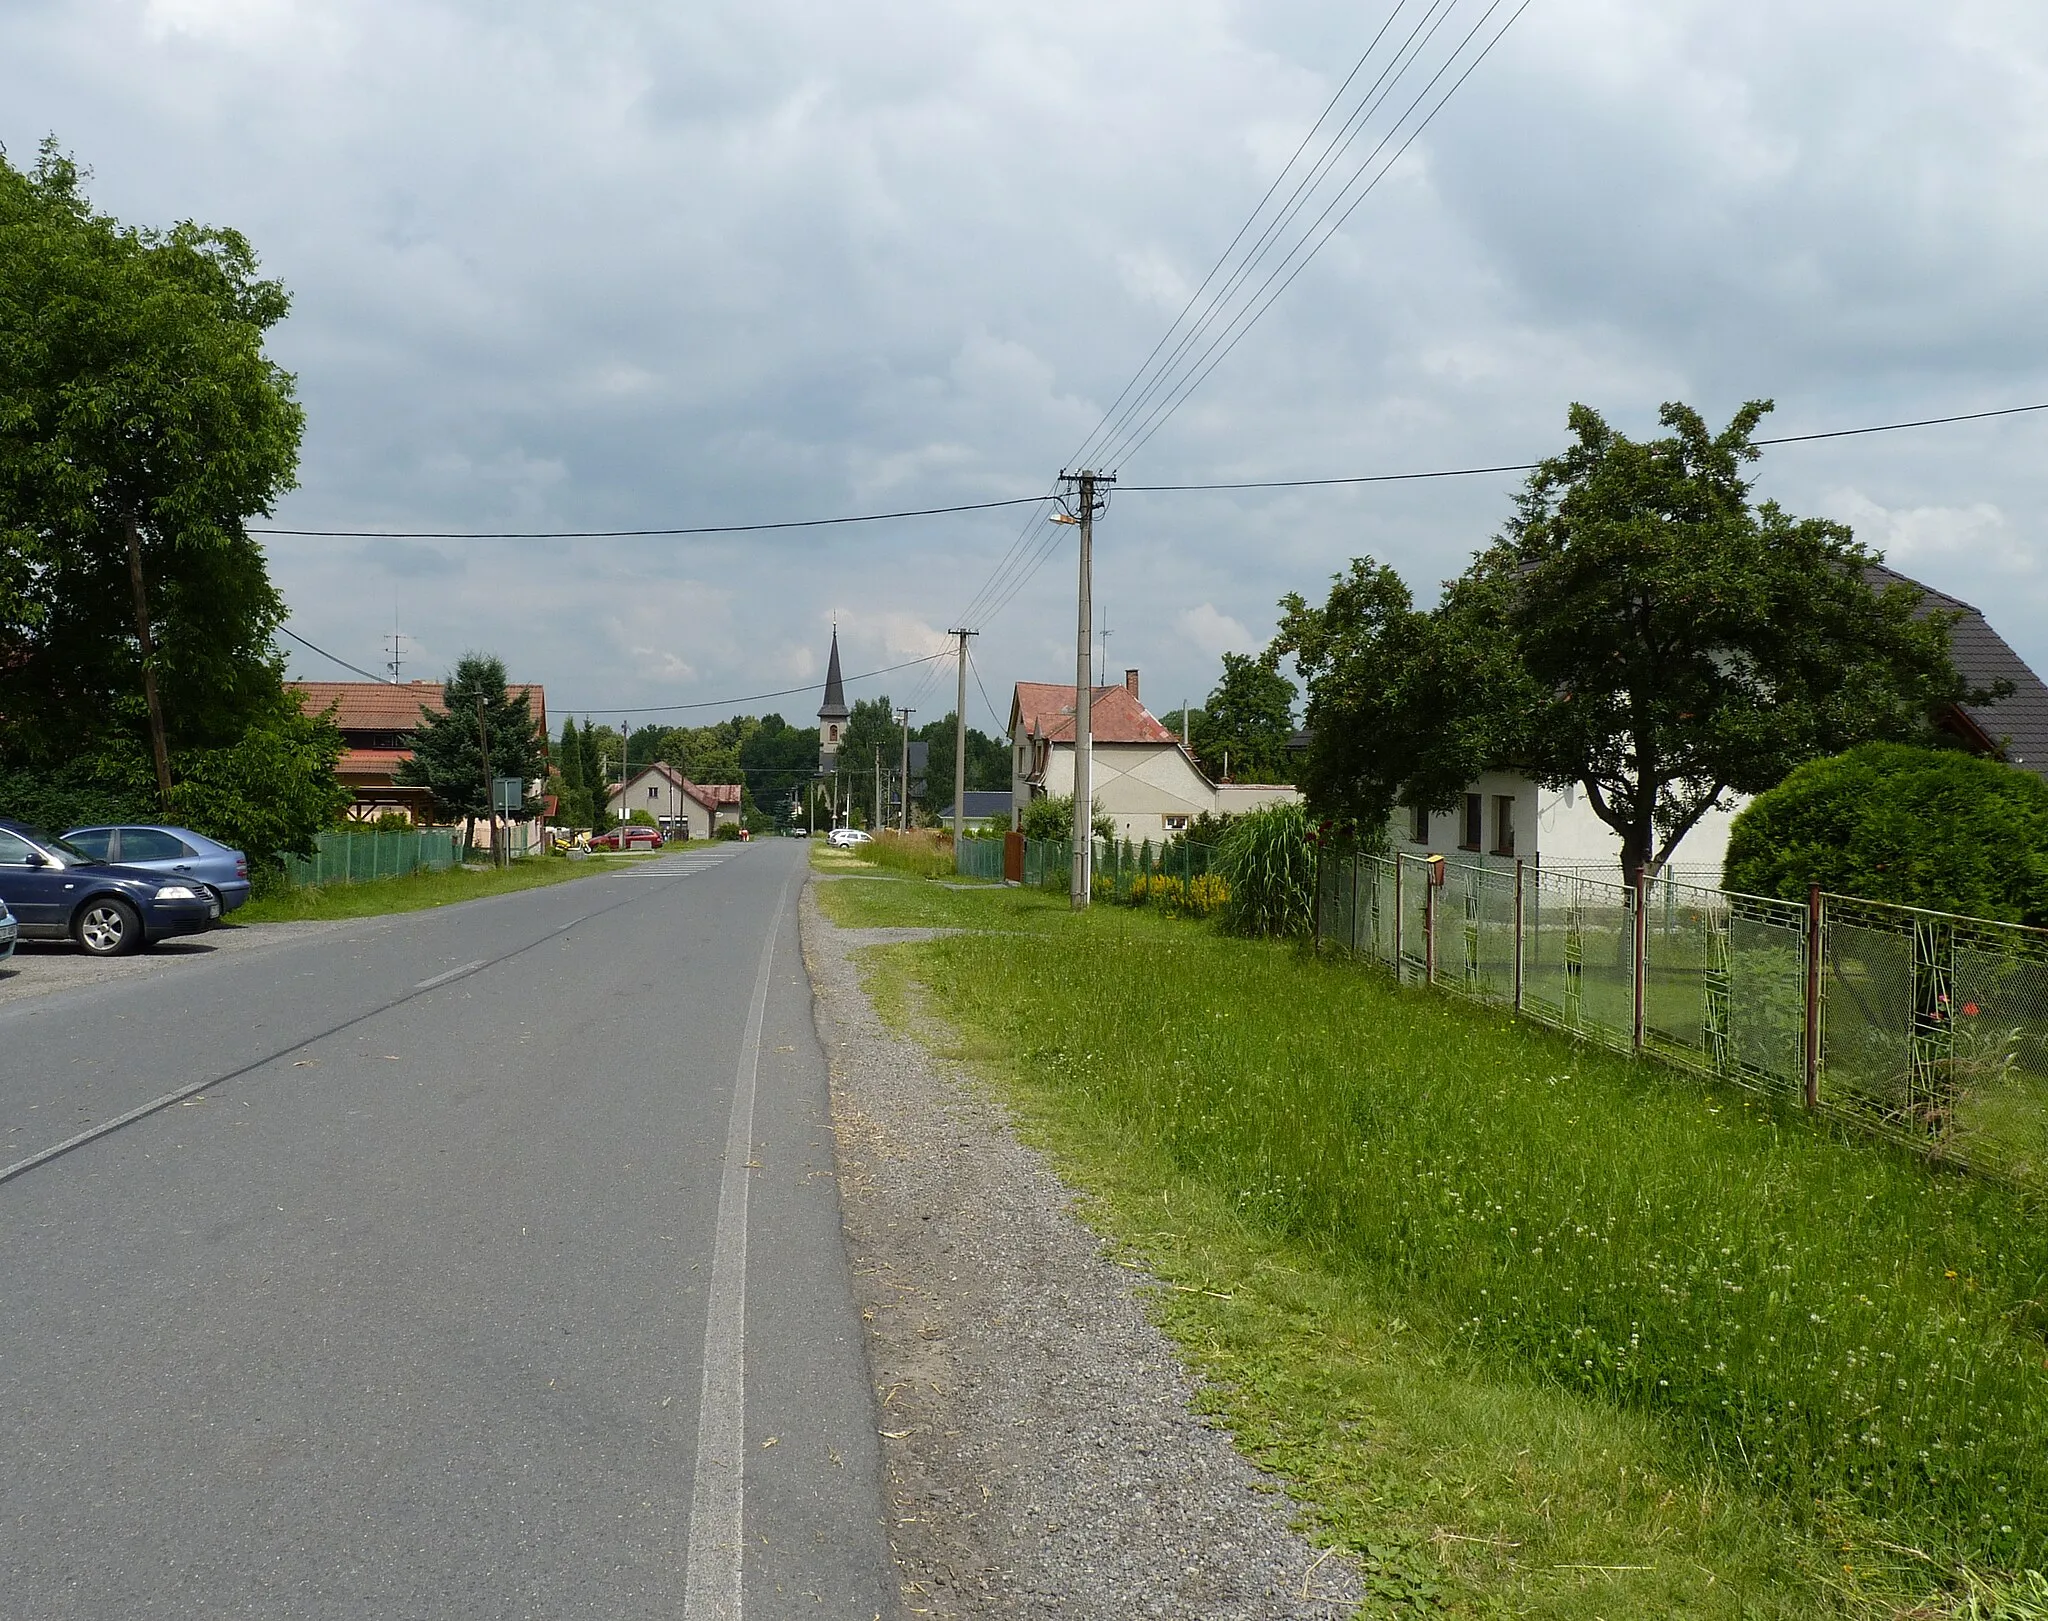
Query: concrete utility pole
(1087, 504)
(960, 746)
(903, 720)
(880, 820)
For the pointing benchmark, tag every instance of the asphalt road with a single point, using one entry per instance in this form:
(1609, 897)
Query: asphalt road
(485, 1262)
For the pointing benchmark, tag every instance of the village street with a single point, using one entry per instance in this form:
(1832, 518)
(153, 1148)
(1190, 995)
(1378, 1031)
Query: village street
(403, 1311)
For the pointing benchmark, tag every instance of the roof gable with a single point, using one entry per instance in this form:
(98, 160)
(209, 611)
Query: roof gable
(1046, 709)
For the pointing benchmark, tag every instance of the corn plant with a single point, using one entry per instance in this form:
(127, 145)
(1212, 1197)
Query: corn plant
(1268, 866)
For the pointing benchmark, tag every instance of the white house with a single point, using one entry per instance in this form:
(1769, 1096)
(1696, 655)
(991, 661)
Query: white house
(1505, 816)
(684, 809)
(1143, 778)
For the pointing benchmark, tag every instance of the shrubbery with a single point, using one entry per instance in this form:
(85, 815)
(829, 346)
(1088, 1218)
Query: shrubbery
(1918, 827)
(1052, 819)
(1268, 867)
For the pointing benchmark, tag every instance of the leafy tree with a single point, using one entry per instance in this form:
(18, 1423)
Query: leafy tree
(574, 808)
(778, 759)
(271, 792)
(1918, 827)
(1639, 628)
(448, 756)
(988, 762)
(1242, 732)
(141, 425)
(1052, 817)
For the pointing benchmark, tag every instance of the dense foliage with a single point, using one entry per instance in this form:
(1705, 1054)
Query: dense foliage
(134, 390)
(1639, 628)
(1920, 827)
(1268, 865)
(141, 424)
(1240, 734)
(1052, 818)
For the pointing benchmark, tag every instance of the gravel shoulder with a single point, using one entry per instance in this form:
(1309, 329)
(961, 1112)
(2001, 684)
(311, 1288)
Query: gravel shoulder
(1041, 1450)
(44, 967)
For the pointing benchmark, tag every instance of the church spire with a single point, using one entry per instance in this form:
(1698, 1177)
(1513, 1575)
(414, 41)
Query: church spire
(832, 712)
(834, 706)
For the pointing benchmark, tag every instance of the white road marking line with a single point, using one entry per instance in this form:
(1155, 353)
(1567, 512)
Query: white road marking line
(453, 973)
(713, 1568)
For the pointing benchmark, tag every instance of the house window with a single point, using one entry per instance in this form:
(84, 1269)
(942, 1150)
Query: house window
(1503, 824)
(1474, 813)
(654, 792)
(1418, 824)
(1175, 824)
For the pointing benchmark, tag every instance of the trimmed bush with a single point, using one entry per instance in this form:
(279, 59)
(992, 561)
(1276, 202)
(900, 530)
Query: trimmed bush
(1918, 827)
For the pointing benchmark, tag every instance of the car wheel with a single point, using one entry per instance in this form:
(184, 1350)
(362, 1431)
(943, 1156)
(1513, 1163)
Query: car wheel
(220, 905)
(108, 927)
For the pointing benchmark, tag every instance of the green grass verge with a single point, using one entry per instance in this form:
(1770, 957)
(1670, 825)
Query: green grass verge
(420, 890)
(1536, 1330)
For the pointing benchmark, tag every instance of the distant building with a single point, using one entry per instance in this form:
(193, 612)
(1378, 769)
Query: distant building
(374, 717)
(682, 808)
(983, 806)
(1143, 777)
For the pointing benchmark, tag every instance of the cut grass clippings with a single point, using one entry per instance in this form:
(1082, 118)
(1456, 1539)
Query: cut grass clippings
(1538, 1330)
(417, 891)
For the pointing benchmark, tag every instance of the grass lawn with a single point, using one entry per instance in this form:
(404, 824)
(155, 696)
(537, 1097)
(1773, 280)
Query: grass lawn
(420, 890)
(1535, 1330)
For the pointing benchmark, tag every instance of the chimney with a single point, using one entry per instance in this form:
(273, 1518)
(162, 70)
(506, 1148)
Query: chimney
(1131, 682)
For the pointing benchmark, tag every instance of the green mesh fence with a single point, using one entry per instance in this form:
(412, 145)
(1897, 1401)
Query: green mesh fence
(343, 856)
(1926, 1028)
(981, 858)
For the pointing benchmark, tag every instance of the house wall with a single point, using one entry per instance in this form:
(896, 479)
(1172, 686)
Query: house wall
(1556, 826)
(1143, 787)
(669, 805)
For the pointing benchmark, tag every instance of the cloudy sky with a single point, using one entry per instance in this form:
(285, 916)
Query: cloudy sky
(563, 266)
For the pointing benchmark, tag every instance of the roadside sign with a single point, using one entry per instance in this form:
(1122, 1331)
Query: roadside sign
(507, 795)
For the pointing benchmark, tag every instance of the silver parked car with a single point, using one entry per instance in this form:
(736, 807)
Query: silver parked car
(176, 850)
(8, 931)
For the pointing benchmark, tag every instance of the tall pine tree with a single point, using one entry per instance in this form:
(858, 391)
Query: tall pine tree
(447, 752)
(575, 806)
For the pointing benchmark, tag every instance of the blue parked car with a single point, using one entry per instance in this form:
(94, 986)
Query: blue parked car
(173, 850)
(57, 890)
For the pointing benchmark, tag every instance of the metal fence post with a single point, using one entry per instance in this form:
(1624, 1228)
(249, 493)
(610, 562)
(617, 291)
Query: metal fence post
(1319, 900)
(1813, 951)
(1429, 889)
(1357, 865)
(1639, 940)
(1518, 937)
(1397, 917)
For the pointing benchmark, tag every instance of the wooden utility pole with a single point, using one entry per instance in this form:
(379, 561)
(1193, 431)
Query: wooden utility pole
(881, 821)
(960, 747)
(903, 822)
(1086, 503)
(158, 748)
(483, 738)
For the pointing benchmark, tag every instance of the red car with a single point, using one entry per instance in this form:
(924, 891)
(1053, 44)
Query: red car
(630, 837)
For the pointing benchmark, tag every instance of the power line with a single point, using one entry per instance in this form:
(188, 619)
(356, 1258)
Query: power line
(631, 534)
(994, 719)
(750, 698)
(382, 681)
(1135, 439)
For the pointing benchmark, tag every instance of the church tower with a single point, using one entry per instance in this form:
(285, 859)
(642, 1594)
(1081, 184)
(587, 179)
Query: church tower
(832, 712)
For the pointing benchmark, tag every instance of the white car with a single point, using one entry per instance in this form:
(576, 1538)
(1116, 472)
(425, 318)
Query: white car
(845, 838)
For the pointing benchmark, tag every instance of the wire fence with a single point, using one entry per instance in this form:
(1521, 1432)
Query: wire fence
(1916, 1025)
(981, 858)
(344, 857)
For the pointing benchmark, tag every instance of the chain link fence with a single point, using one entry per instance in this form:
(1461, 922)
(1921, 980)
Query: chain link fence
(345, 857)
(1922, 1027)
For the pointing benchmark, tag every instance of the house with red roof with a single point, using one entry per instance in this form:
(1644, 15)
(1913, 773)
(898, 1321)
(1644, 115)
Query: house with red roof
(1143, 777)
(374, 717)
(684, 809)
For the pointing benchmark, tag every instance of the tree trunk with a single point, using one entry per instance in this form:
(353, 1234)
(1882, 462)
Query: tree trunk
(158, 748)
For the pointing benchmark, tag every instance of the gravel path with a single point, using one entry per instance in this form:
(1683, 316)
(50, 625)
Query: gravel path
(1042, 1453)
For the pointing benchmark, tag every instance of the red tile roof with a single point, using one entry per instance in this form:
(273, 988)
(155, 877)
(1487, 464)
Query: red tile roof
(383, 706)
(1045, 709)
